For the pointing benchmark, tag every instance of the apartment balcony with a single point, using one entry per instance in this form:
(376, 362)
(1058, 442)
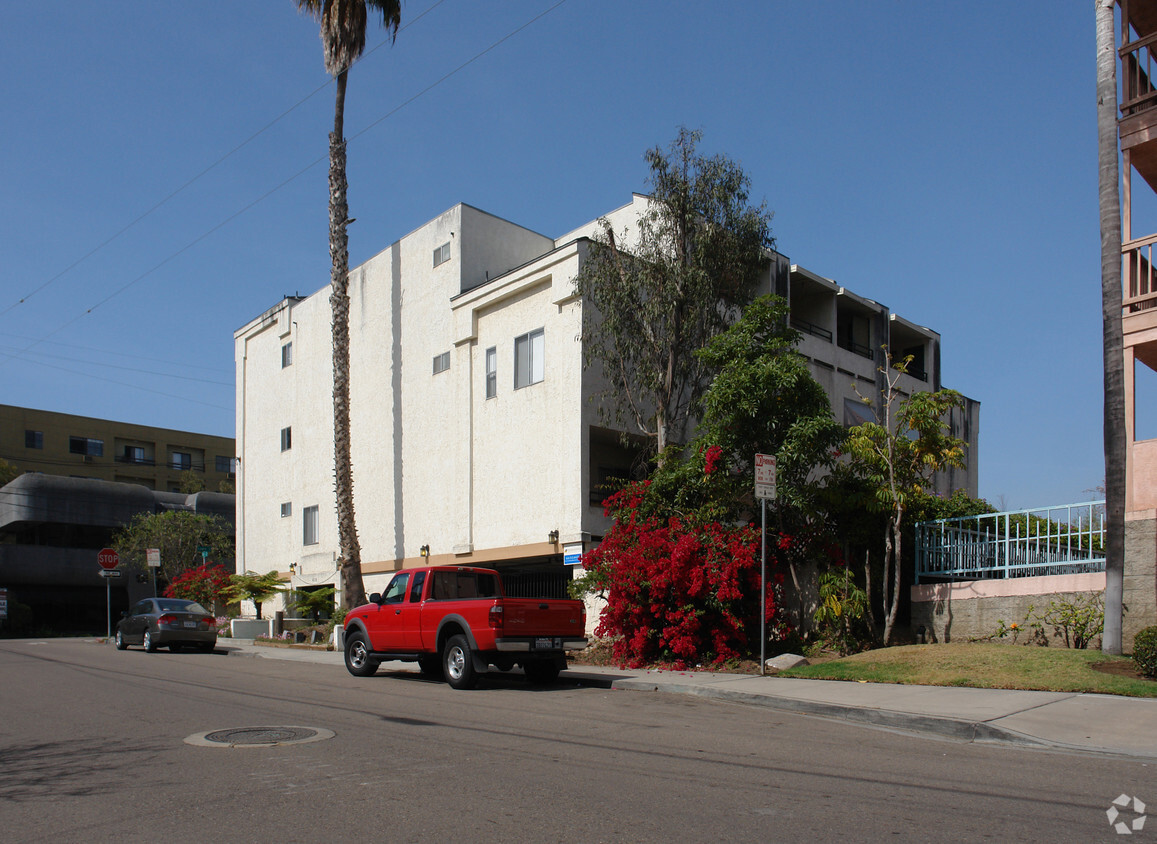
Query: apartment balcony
(1138, 121)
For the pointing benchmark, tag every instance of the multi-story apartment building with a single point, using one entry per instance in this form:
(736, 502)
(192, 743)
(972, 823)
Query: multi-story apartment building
(1137, 127)
(99, 449)
(475, 439)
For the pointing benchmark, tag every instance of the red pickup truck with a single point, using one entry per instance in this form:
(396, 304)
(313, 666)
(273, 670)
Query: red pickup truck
(456, 622)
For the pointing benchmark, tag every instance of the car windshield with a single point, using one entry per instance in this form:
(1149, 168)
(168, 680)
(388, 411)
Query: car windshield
(174, 605)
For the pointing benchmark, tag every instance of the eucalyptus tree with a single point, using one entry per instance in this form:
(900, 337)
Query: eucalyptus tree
(656, 296)
(343, 37)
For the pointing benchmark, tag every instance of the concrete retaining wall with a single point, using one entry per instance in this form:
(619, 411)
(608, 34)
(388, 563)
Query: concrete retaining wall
(957, 612)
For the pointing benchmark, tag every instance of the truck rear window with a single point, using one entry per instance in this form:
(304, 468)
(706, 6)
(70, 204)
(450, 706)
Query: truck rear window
(450, 585)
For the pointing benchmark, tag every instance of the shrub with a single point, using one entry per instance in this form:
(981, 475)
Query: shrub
(1145, 651)
(678, 588)
(207, 584)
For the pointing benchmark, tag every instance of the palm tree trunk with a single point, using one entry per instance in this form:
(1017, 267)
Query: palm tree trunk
(353, 588)
(1114, 358)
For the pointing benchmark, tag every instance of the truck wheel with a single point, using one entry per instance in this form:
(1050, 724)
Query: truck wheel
(357, 656)
(431, 665)
(458, 664)
(541, 673)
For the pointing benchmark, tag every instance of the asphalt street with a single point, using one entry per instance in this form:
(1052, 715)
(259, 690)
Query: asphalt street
(95, 746)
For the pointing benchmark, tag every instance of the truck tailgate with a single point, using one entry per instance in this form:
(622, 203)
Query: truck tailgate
(535, 617)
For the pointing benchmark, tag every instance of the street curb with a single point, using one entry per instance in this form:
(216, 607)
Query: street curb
(951, 728)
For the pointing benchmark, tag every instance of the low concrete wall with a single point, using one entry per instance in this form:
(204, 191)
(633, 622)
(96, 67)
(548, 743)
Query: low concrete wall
(973, 609)
(250, 628)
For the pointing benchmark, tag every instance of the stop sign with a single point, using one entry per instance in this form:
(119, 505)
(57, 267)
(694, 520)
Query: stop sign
(108, 558)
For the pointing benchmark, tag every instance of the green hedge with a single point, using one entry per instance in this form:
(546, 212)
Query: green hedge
(1145, 651)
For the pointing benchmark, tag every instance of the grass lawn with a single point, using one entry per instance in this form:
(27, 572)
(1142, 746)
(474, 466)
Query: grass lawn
(988, 666)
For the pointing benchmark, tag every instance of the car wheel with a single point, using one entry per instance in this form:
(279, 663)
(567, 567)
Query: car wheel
(541, 673)
(357, 656)
(119, 641)
(147, 642)
(458, 665)
(431, 666)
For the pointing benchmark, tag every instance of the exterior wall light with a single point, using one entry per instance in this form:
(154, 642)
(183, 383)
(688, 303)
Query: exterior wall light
(552, 537)
(292, 569)
(424, 550)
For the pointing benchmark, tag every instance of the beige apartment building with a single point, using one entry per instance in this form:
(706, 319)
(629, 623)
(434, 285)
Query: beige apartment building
(475, 438)
(100, 449)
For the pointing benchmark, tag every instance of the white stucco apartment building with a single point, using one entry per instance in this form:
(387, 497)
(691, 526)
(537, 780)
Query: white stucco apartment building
(474, 437)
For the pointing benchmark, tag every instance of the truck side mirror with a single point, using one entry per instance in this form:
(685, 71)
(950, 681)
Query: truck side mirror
(376, 598)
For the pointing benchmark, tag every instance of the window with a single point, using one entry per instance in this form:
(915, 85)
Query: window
(441, 362)
(416, 589)
(529, 353)
(442, 254)
(224, 464)
(309, 525)
(86, 446)
(491, 372)
(34, 439)
(286, 509)
(396, 591)
(287, 439)
(134, 454)
(181, 460)
(287, 355)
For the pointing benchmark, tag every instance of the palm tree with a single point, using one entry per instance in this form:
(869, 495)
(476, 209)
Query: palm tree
(1115, 445)
(343, 36)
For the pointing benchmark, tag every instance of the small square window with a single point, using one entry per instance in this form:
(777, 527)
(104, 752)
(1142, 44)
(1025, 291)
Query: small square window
(86, 446)
(442, 254)
(491, 372)
(287, 439)
(181, 460)
(286, 509)
(287, 355)
(34, 439)
(441, 362)
(529, 354)
(309, 525)
(224, 464)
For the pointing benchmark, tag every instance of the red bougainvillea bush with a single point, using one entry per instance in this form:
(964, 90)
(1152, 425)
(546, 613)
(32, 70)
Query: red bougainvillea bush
(680, 588)
(205, 584)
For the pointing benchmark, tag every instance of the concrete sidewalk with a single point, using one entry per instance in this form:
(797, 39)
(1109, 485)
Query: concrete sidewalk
(1106, 724)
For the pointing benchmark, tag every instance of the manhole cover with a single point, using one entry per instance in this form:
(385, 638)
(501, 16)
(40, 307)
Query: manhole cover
(258, 736)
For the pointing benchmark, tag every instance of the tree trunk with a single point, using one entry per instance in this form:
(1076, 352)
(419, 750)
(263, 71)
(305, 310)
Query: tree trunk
(349, 561)
(1114, 358)
(894, 603)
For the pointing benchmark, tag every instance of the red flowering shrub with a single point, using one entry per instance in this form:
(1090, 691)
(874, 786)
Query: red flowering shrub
(678, 588)
(205, 584)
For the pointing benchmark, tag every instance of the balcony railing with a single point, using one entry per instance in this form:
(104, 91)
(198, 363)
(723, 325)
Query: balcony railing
(810, 328)
(1137, 65)
(1138, 278)
(853, 346)
(1067, 539)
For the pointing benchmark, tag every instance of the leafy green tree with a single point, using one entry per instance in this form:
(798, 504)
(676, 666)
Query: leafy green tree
(257, 588)
(764, 400)
(313, 603)
(657, 295)
(177, 534)
(898, 455)
(8, 472)
(191, 482)
(343, 36)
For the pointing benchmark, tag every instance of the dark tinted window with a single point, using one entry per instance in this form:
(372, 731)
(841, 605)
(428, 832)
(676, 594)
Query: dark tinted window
(416, 589)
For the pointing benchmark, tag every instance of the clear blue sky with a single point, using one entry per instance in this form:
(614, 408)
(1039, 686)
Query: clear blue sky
(939, 158)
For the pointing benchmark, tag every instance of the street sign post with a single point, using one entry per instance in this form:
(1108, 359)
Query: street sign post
(764, 491)
(108, 558)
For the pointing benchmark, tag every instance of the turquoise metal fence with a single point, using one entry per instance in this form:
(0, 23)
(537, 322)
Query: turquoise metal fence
(1066, 539)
